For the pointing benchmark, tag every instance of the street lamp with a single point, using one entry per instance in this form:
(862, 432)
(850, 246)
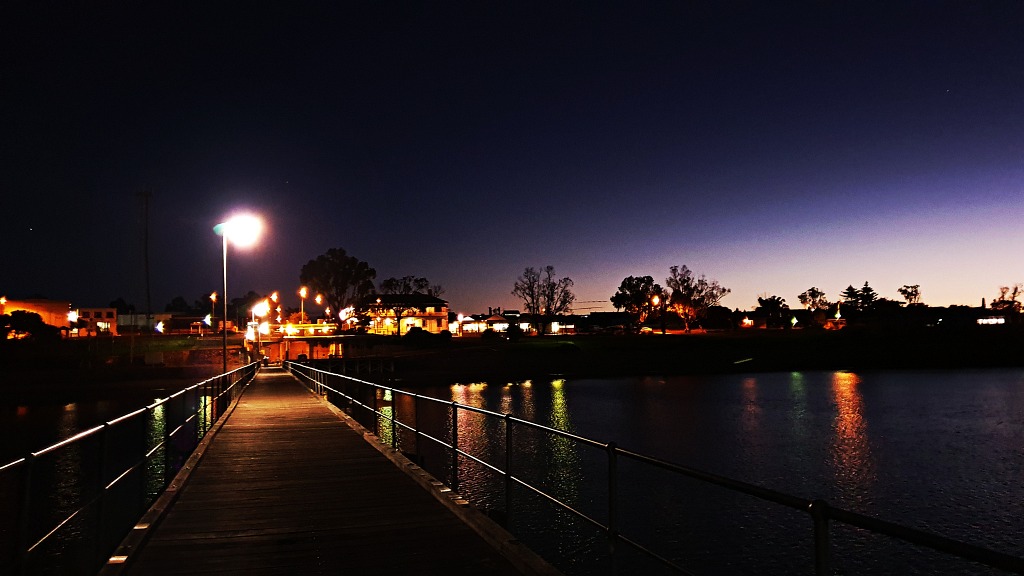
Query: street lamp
(302, 305)
(243, 230)
(259, 311)
(213, 311)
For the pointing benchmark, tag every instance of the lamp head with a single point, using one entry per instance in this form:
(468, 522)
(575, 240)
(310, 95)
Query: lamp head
(242, 230)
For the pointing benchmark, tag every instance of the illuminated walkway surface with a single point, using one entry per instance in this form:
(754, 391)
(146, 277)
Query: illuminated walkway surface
(288, 487)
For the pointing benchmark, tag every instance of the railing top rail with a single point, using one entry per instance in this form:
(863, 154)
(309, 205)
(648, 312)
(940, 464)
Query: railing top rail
(127, 416)
(929, 539)
(13, 464)
(86, 433)
(465, 407)
(69, 440)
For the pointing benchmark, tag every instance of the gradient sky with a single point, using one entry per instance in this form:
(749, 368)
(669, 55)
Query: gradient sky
(771, 146)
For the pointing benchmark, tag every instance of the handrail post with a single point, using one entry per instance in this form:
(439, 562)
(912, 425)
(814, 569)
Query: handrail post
(167, 446)
(394, 419)
(822, 546)
(376, 421)
(508, 470)
(24, 521)
(101, 494)
(455, 446)
(416, 427)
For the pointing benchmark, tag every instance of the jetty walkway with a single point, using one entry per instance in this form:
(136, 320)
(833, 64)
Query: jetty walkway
(289, 485)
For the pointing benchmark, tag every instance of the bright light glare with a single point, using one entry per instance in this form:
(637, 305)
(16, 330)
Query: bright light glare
(159, 327)
(261, 309)
(208, 320)
(243, 230)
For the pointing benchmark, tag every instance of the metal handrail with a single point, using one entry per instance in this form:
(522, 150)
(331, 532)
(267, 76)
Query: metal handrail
(113, 513)
(820, 512)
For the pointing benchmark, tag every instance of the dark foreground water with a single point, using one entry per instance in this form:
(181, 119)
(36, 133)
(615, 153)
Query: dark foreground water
(940, 451)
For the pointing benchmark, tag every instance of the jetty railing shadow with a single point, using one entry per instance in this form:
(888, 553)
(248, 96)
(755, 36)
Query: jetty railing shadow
(65, 508)
(374, 407)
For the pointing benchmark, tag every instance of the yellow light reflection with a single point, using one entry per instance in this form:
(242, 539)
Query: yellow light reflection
(851, 451)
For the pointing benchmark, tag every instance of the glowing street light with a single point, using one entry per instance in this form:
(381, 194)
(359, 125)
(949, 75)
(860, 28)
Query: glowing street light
(243, 230)
(302, 304)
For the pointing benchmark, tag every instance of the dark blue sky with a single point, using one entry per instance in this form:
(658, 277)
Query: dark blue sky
(770, 146)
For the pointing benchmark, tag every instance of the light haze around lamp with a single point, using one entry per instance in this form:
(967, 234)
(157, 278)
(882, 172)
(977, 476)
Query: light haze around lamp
(242, 230)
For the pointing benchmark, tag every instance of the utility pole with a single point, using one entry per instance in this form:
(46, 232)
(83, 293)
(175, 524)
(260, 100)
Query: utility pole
(145, 194)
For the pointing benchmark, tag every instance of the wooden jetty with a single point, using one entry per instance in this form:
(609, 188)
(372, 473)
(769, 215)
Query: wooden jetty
(290, 485)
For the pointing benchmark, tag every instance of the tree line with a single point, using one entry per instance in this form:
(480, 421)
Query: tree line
(344, 280)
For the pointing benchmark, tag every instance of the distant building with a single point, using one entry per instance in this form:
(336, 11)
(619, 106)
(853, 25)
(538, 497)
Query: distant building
(96, 321)
(399, 313)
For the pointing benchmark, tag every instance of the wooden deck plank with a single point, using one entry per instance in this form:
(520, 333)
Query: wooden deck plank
(287, 487)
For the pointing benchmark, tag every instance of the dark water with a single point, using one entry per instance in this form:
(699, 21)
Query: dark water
(65, 484)
(32, 424)
(940, 451)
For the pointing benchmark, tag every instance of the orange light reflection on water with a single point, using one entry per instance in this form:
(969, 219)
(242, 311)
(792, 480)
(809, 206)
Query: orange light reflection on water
(851, 450)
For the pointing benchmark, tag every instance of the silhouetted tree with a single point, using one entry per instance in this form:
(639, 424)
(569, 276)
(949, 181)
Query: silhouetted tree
(342, 279)
(851, 297)
(240, 308)
(25, 324)
(635, 297)
(1007, 301)
(411, 285)
(544, 295)
(813, 299)
(911, 293)
(773, 307)
(178, 305)
(860, 300)
(691, 297)
(121, 306)
(867, 297)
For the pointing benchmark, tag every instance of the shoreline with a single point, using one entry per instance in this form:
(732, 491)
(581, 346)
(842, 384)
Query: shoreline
(717, 353)
(596, 356)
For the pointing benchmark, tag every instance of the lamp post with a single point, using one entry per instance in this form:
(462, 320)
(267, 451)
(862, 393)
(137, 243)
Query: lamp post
(213, 312)
(259, 311)
(243, 230)
(302, 305)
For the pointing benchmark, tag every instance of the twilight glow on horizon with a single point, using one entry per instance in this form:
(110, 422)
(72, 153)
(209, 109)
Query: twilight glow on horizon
(769, 148)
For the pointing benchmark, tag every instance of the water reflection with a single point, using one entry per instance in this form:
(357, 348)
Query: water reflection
(851, 452)
(156, 467)
(751, 409)
(798, 405)
(942, 450)
(564, 469)
(68, 465)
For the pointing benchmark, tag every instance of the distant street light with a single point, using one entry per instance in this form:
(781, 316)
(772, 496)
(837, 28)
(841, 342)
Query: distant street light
(213, 311)
(243, 230)
(302, 304)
